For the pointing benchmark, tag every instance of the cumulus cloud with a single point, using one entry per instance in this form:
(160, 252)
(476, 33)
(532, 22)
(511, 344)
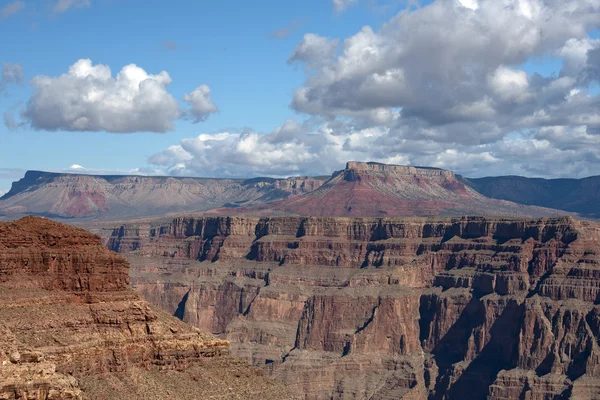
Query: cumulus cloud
(291, 149)
(12, 8)
(458, 88)
(201, 106)
(88, 98)
(442, 85)
(11, 73)
(62, 6)
(314, 51)
(341, 5)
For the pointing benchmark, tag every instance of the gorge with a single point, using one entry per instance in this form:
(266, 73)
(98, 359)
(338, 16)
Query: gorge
(385, 308)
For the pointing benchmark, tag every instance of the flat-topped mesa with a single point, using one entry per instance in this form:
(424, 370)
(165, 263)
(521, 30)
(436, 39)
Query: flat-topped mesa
(398, 169)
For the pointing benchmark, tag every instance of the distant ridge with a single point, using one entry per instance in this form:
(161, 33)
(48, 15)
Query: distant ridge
(367, 189)
(361, 189)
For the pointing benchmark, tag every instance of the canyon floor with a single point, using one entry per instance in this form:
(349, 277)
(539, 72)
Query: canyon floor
(386, 308)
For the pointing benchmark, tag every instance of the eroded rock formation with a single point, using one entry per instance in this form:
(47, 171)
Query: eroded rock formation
(71, 328)
(380, 190)
(85, 196)
(375, 308)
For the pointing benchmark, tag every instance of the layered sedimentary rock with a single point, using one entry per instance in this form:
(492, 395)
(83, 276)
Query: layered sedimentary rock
(362, 189)
(384, 308)
(71, 328)
(380, 190)
(117, 197)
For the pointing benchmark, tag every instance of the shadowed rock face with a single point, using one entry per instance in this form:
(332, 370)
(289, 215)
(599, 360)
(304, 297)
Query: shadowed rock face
(71, 328)
(575, 195)
(388, 308)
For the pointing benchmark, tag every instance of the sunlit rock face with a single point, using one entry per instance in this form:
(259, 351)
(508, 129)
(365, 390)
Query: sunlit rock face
(445, 308)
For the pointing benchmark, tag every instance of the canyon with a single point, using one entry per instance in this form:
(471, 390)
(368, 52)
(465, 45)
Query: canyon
(72, 328)
(385, 308)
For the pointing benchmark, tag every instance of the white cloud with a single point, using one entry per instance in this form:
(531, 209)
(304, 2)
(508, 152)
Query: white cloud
(62, 6)
(88, 98)
(314, 51)
(3, 192)
(76, 167)
(12, 8)
(470, 4)
(509, 84)
(341, 5)
(200, 103)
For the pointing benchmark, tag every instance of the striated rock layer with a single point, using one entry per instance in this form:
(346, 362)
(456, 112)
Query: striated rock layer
(71, 328)
(386, 308)
(116, 197)
(380, 190)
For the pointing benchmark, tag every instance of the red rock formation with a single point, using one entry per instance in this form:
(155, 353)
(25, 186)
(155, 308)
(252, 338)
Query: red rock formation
(375, 190)
(456, 308)
(71, 328)
(84, 196)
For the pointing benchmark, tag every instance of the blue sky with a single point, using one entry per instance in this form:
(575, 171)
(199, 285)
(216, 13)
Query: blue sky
(225, 45)
(229, 46)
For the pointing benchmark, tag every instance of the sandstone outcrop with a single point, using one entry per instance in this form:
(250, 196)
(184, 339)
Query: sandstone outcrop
(71, 328)
(386, 308)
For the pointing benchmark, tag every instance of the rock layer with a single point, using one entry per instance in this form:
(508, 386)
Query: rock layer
(381, 190)
(117, 197)
(384, 308)
(71, 328)
(360, 190)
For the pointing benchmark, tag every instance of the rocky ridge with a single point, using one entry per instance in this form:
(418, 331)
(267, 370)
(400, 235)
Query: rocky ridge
(360, 190)
(574, 195)
(381, 190)
(117, 197)
(71, 328)
(387, 308)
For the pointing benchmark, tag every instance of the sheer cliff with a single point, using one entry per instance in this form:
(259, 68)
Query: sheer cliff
(71, 328)
(386, 308)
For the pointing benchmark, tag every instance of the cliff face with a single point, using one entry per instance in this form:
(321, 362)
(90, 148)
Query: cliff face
(71, 328)
(387, 308)
(84, 196)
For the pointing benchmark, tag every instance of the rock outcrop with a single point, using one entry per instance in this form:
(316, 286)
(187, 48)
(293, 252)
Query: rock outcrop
(381, 190)
(71, 328)
(117, 197)
(360, 190)
(384, 308)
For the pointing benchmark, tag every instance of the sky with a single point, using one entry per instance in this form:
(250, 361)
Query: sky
(271, 88)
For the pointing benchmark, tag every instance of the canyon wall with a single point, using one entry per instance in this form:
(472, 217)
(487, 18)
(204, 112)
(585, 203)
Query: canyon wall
(384, 308)
(71, 328)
